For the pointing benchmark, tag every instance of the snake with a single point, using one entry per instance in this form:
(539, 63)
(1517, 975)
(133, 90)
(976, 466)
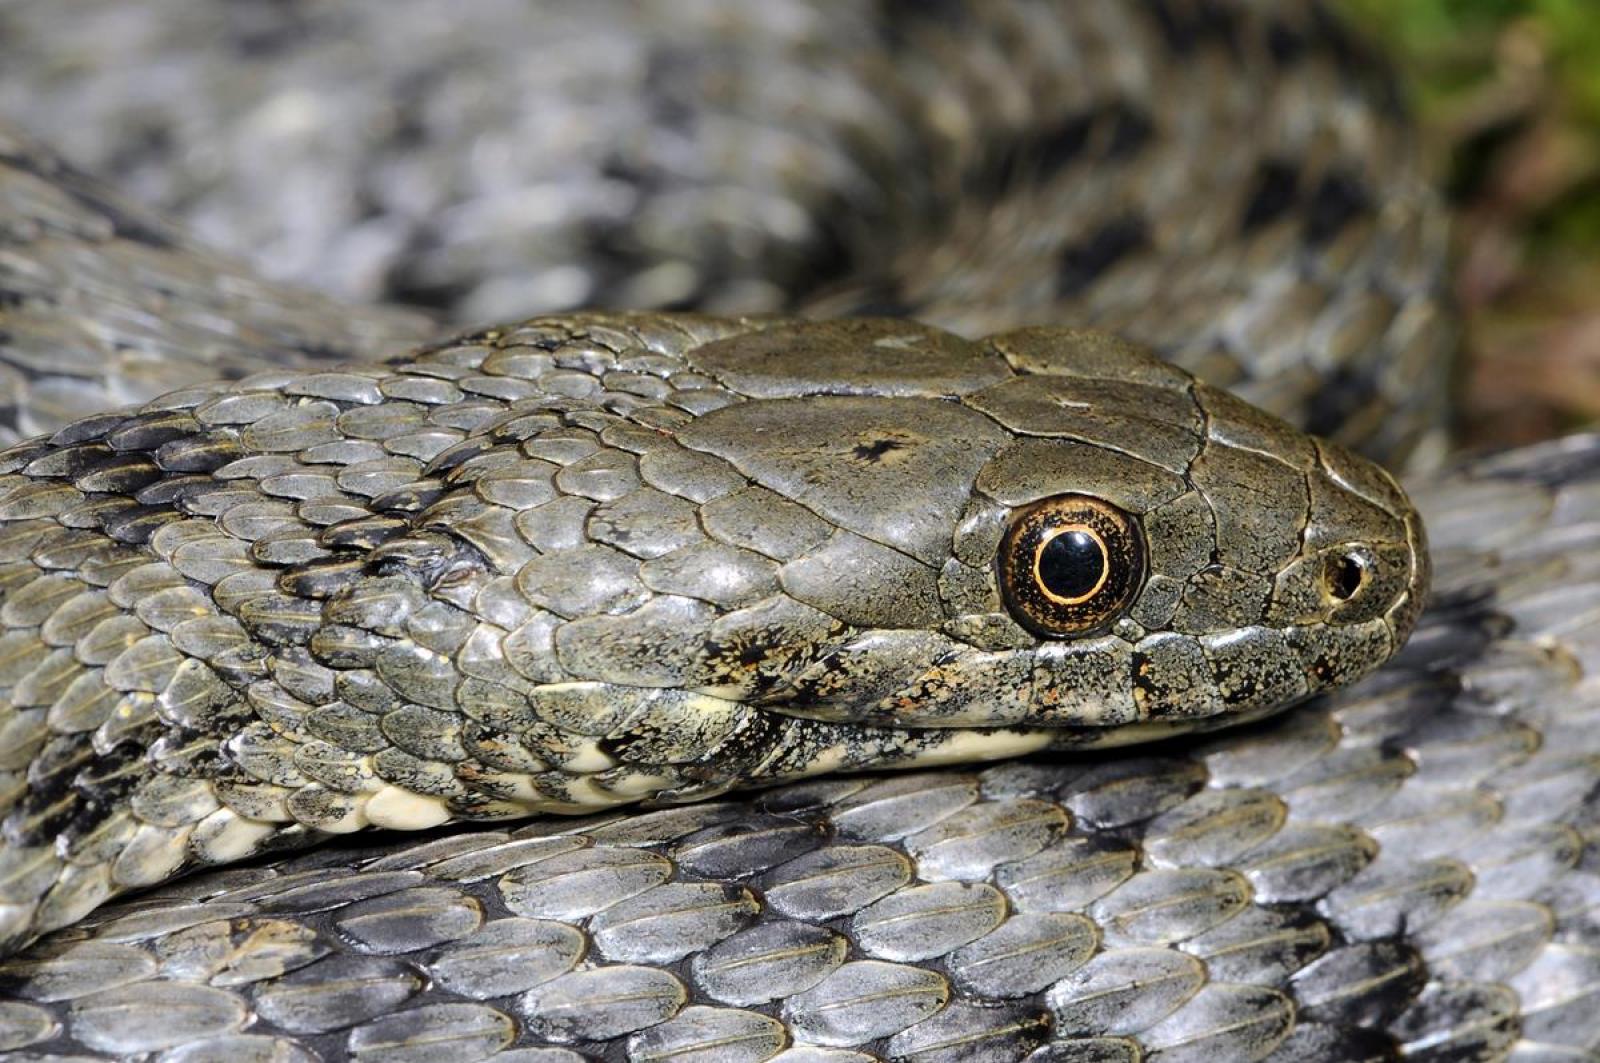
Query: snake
(951, 607)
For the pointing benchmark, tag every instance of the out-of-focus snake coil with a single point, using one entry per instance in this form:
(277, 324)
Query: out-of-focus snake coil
(733, 564)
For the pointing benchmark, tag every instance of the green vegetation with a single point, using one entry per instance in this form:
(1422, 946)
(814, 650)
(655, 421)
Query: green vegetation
(1505, 85)
(1508, 97)
(1455, 41)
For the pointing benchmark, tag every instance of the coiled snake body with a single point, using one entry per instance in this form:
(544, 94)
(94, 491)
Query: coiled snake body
(572, 563)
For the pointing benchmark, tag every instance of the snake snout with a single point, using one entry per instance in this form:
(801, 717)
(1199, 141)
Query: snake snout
(1351, 598)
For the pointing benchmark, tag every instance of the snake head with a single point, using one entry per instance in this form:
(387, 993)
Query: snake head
(666, 556)
(591, 560)
(1054, 529)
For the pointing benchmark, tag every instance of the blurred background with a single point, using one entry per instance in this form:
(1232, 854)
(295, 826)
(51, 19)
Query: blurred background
(1508, 96)
(303, 126)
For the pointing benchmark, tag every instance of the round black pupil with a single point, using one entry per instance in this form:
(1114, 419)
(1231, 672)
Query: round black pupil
(1071, 564)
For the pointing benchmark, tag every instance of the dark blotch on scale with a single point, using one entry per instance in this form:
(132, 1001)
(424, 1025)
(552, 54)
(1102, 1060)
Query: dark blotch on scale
(1131, 130)
(1344, 393)
(1275, 191)
(1081, 264)
(1112, 132)
(1286, 44)
(1187, 26)
(1338, 201)
(875, 450)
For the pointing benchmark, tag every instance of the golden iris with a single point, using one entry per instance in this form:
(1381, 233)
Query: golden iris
(1070, 565)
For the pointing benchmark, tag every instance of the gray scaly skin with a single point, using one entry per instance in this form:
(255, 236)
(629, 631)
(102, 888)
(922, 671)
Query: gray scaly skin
(1402, 870)
(1230, 182)
(583, 561)
(104, 303)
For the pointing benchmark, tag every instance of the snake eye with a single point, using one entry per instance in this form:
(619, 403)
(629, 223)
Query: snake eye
(1069, 565)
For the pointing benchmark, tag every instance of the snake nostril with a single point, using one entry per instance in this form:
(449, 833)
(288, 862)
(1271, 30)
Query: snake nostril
(1343, 575)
